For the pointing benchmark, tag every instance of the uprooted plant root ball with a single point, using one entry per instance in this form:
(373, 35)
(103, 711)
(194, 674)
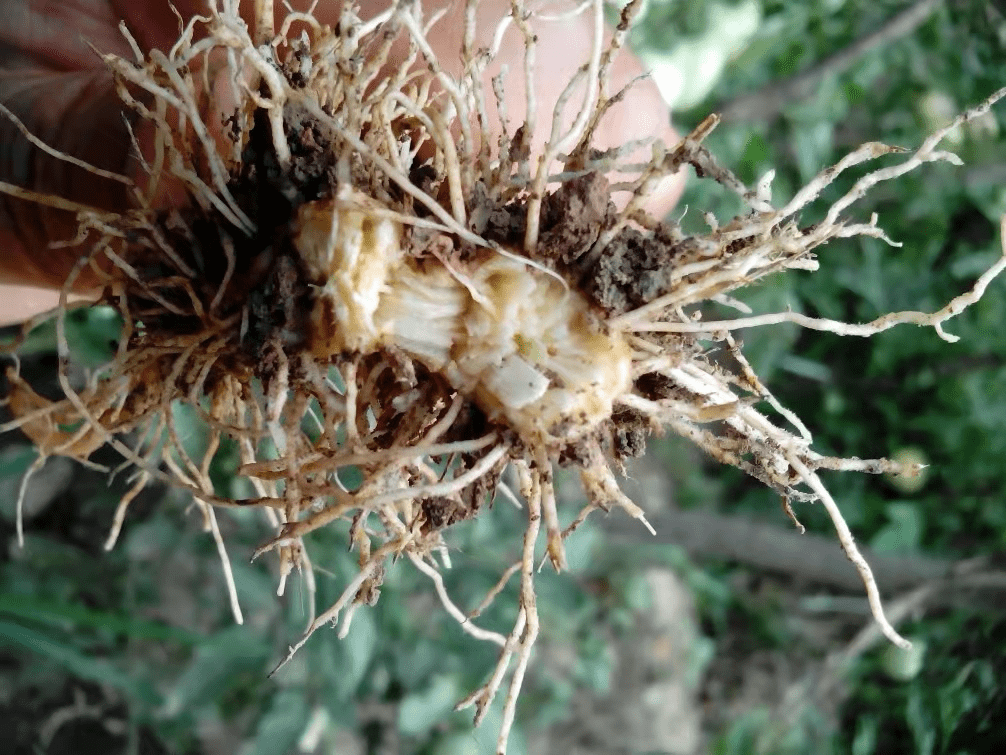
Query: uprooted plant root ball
(362, 279)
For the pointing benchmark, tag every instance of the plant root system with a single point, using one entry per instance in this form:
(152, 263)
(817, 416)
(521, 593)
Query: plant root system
(362, 279)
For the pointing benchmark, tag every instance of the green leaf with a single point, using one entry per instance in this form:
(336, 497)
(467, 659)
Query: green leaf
(920, 722)
(191, 430)
(359, 648)
(279, 729)
(865, 741)
(903, 532)
(14, 461)
(415, 662)
(92, 334)
(76, 662)
(71, 616)
(420, 711)
(217, 667)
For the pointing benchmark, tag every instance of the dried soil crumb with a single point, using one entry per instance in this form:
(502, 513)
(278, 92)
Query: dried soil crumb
(629, 434)
(635, 269)
(574, 216)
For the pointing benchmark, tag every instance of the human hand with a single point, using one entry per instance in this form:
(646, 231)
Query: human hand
(53, 81)
(55, 84)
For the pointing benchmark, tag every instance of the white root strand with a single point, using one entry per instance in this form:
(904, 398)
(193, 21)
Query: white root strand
(934, 320)
(851, 550)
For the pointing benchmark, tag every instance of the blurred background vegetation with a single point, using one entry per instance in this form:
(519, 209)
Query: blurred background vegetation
(728, 633)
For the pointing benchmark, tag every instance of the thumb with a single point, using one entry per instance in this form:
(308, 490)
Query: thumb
(74, 112)
(54, 83)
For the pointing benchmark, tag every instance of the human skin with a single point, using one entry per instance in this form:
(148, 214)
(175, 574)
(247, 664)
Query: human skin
(55, 83)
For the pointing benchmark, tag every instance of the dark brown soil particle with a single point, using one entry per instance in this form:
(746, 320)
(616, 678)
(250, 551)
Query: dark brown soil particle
(573, 217)
(440, 512)
(654, 386)
(629, 434)
(633, 271)
(574, 454)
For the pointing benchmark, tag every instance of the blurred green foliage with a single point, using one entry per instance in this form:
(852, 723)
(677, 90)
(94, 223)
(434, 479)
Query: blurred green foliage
(905, 388)
(148, 625)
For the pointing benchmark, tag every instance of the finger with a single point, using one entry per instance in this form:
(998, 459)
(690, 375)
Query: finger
(76, 113)
(18, 303)
(53, 81)
(563, 45)
(56, 86)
